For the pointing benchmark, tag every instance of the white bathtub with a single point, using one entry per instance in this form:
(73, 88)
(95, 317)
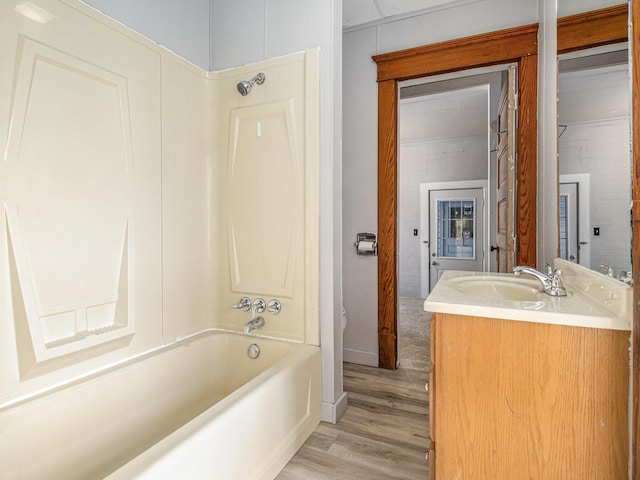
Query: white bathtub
(199, 409)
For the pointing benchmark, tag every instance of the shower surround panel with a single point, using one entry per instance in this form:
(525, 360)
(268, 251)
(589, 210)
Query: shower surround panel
(142, 196)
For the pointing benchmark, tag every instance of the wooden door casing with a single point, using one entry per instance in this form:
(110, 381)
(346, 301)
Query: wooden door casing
(516, 45)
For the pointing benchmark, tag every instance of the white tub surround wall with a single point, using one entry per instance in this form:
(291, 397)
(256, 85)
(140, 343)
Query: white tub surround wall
(245, 33)
(188, 164)
(81, 235)
(266, 224)
(112, 189)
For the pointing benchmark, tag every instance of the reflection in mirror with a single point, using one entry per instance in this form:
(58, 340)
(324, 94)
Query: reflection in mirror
(595, 163)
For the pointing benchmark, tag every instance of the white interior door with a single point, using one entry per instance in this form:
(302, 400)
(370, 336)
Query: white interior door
(456, 240)
(568, 207)
(506, 182)
(579, 206)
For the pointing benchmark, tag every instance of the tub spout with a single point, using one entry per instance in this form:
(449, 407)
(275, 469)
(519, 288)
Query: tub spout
(257, 322)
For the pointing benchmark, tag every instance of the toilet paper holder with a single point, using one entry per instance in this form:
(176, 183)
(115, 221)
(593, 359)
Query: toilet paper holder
(366, 244)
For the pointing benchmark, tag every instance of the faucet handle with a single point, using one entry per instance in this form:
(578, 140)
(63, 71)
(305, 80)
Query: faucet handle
(557, 287)
(274, 307)
(259, 305)
(244, 305)
(548, 269)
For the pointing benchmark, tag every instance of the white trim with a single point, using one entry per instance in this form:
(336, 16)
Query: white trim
(331, 412)
(360, 357)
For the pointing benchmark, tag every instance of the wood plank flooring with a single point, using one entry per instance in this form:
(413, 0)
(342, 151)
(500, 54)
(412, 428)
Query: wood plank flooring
(383, 434)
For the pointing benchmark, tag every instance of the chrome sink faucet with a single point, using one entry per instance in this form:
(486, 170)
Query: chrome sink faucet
(551, 282)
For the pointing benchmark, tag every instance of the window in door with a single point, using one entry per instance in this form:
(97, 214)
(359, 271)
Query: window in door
(563, 227)
(456, 228)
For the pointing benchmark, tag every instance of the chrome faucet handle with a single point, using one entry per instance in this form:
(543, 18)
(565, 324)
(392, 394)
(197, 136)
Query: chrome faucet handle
(555, 278)
(244, 305)
(274, 307)
(607, 269)
(548, 269)
(258, 306)
(557, 287)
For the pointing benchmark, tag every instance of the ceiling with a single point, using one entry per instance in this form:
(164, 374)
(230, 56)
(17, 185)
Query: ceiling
(357, 12)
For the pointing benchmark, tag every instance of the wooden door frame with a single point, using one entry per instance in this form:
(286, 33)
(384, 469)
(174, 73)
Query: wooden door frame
(516, 45)
(511, 46)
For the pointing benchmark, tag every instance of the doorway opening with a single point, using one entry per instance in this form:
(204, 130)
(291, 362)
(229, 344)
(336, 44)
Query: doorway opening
(575, 219)
(447, 189)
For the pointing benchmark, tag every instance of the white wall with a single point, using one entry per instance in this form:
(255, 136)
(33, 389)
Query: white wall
(181, 26)
(360, 161)
(594, 106)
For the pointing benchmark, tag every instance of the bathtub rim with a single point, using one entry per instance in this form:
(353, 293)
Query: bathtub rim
(16, 399)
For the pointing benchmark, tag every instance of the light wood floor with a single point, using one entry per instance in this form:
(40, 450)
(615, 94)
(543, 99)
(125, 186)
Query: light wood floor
(382, 435)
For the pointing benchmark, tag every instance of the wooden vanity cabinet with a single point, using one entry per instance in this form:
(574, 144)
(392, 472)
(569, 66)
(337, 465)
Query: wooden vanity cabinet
(519, 400)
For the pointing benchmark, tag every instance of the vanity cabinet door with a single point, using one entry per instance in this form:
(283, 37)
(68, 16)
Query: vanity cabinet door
(519, 399)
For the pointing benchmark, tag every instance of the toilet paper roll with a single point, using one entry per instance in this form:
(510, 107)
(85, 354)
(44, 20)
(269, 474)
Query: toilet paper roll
(366, 246)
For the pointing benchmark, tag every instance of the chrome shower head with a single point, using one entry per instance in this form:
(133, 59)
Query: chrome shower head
(244, 87)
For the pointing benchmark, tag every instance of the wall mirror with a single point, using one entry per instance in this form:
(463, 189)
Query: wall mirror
(594, 141)
(594, 163)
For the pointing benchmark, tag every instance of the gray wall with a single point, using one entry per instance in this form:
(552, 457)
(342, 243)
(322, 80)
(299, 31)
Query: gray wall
(181, 26)
(252, 30)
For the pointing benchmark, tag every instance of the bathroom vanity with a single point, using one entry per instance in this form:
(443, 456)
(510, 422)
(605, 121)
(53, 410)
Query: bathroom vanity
(525, 385)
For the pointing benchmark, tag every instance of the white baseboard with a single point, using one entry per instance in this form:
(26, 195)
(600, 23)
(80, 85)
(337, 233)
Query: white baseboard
(331, 412)
(359, 357)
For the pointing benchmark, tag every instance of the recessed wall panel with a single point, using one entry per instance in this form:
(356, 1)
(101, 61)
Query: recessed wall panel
(69, 204)
(265, 213)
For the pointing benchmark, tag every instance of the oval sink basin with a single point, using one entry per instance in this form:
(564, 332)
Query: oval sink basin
(514, 289)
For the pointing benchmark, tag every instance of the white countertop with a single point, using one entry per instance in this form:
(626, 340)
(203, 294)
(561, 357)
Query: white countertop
(593, 300)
